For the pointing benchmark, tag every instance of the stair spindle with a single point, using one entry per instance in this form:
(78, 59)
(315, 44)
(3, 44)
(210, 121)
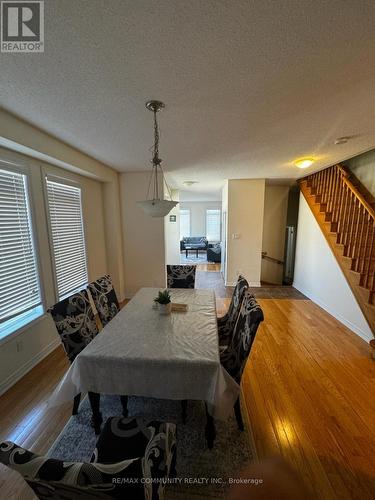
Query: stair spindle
(361, 239)
(351, 225)
(335, 195)
(330, 191)
(371, 270)
(356, 230)
(345, 216)
(340, 212)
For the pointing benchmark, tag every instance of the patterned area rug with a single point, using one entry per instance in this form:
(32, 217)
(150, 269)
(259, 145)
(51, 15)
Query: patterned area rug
(193, 259)
(194, 461)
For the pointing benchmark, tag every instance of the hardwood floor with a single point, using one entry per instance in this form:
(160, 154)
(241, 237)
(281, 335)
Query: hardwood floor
(308, 390)
(24, 417)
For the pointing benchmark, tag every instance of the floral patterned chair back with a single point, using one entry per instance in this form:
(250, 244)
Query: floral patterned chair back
(227, 322)
(181, 276)
(105, 299)
(75, 323)
(126, 451)
(234, 356)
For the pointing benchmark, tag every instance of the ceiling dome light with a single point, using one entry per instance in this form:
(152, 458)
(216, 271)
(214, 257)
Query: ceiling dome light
(304, 162)
(190, 183)
(342, 140)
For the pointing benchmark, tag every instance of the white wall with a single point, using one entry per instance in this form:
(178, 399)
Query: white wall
(363, 167)
(224, 232)
(20, 351)
(318, 275)
(143, 237)
(172, 232)
(274, 224)
(245, 229)
(198, 214)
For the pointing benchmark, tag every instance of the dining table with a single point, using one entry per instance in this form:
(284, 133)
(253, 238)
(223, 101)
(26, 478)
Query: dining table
(141, 352)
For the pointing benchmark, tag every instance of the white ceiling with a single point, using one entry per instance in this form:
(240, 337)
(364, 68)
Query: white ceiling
(249, 85)
(189, 195)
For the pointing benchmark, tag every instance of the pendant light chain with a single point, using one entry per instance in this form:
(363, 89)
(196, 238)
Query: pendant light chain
(156, 160)
(154, 205)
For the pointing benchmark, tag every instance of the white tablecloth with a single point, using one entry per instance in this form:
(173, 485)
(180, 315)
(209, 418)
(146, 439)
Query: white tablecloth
(143, 353)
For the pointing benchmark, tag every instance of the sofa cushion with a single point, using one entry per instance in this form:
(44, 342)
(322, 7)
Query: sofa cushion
(195, 240)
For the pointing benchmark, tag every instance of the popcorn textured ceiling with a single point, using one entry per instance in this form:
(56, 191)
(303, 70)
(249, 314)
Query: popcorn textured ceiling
(248, 85)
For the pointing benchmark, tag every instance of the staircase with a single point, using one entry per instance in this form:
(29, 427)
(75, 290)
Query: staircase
(345, 212)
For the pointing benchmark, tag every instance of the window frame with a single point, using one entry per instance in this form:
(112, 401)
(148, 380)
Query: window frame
(73, 183)
(22, 166)
(220, 223)
(189, 211)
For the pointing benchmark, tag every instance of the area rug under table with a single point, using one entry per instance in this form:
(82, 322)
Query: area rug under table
(195, 462)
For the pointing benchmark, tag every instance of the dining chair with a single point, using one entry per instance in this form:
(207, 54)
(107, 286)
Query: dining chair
(227, 322)
(181, 276)
(75, 323)
(133, 458)
(233, 358)
(105, 299)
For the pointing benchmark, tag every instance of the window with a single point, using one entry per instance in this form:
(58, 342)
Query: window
(68, 240)
(20, 297)
(184, 223)
(213, 218)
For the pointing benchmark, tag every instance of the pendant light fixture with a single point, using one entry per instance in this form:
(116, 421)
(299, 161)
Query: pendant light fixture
(155, 205)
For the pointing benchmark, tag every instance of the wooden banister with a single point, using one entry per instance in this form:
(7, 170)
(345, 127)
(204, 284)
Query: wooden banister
(359, 196)
(351, 216)
(272, 259)
(323, 177)
(345, 172)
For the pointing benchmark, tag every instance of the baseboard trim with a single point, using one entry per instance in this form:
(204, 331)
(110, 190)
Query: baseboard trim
(6, 384)
(354, 328)
(255, 283)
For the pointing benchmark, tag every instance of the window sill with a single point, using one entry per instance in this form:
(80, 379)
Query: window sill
(16, 326)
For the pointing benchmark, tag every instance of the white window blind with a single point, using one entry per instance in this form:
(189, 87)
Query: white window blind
(68, 239)
(184, 223)
(19, 280)
(213, 218)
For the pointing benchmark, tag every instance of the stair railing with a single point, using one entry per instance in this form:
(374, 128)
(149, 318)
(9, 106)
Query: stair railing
(272, 259)
(351, 217)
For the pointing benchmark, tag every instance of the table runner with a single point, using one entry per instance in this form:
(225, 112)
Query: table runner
(142, 353)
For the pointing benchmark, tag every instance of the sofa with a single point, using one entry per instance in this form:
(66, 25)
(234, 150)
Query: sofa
(214, 253)
(194, 242)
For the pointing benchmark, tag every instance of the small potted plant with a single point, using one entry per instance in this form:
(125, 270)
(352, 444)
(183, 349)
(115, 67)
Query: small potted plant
(164, 302)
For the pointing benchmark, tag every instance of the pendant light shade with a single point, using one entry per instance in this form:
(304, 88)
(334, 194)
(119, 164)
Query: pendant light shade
(157, 208)
(154, 206)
